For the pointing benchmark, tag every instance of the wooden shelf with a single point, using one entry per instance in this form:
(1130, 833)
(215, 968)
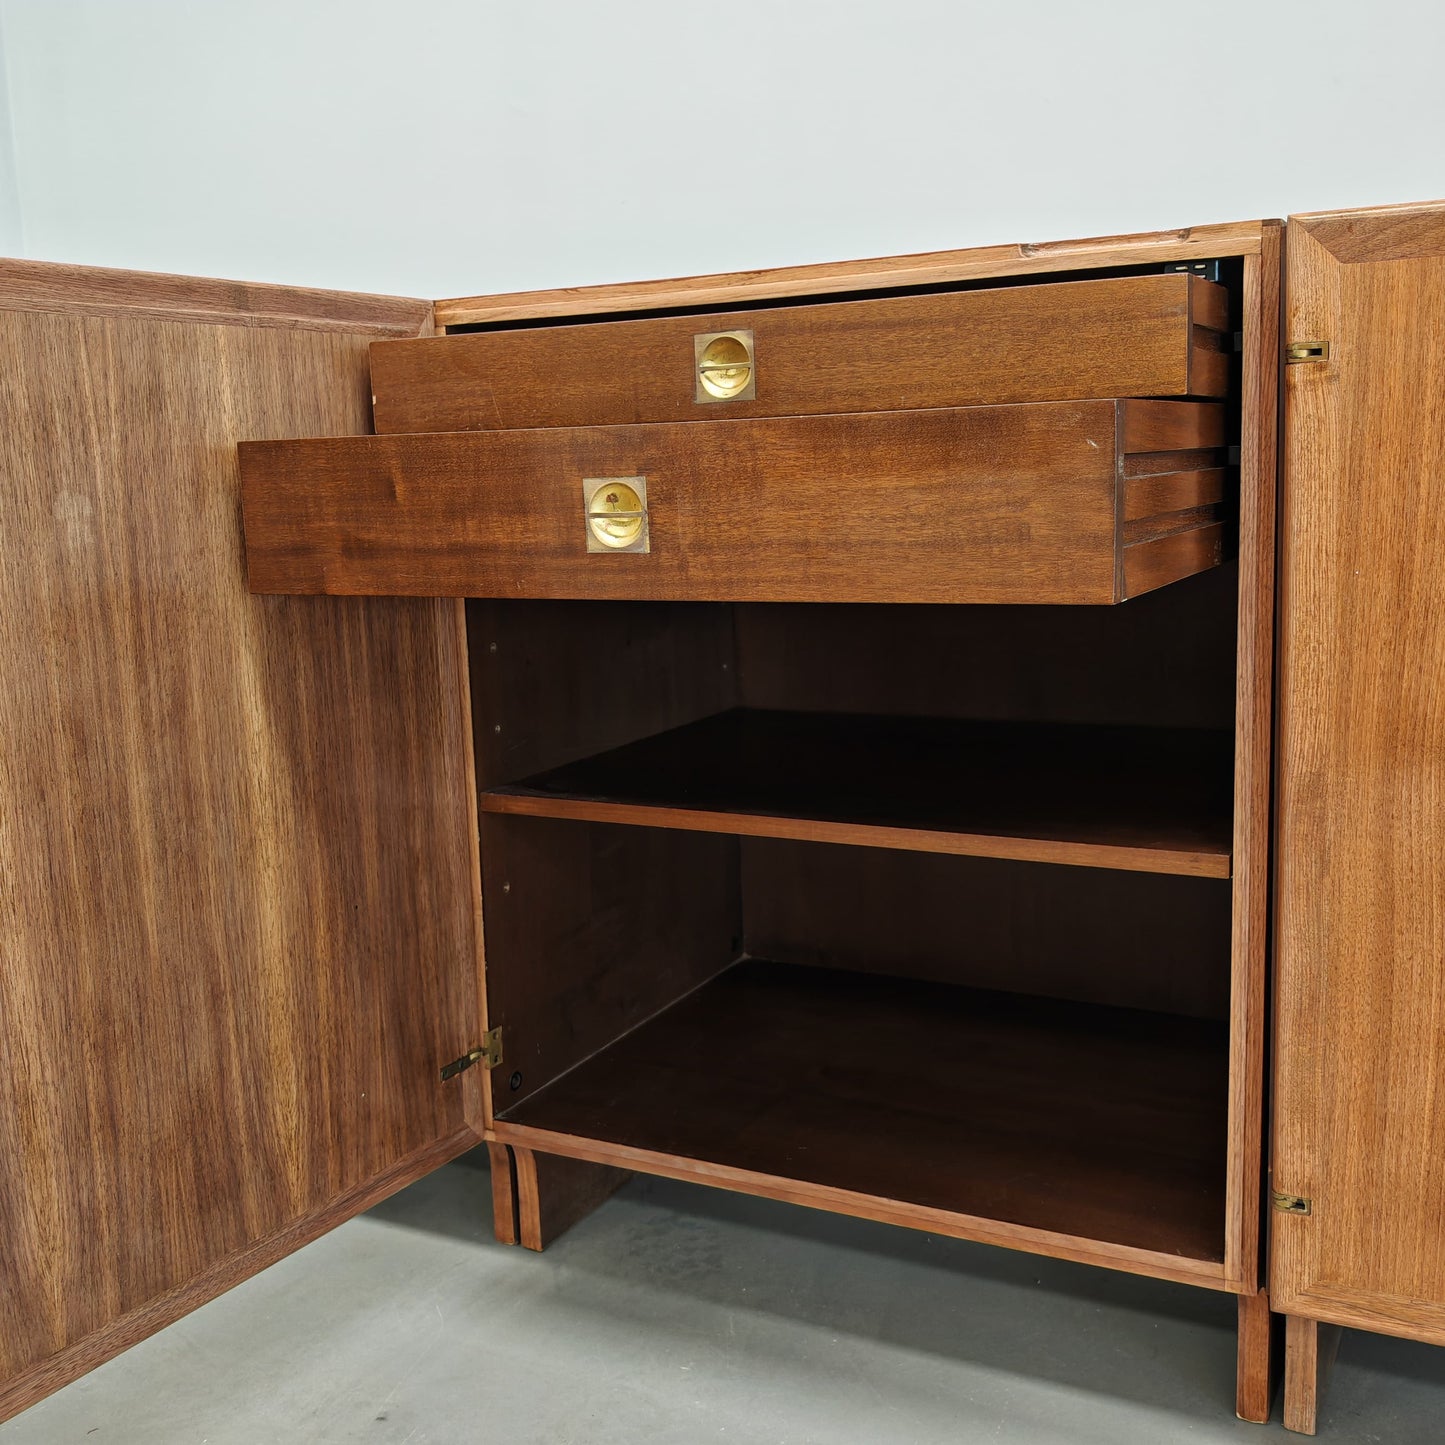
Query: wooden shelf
(1076, 1130)
(1154, 800)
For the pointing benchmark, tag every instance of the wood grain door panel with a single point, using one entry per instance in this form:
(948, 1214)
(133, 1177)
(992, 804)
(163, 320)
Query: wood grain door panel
(238, 918)
(1359, 1108)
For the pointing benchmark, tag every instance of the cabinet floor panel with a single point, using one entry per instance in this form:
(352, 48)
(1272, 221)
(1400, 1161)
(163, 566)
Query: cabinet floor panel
(1155, 800)
(1100, 1123)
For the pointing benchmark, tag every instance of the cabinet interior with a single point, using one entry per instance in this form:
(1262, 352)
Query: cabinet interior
(930, 904)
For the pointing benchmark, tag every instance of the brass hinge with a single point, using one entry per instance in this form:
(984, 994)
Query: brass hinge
(489, 1054)
(1293, 1203)
(1298, 351)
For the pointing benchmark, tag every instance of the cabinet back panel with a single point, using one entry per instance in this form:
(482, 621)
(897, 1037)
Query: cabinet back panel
(1136, 940)
(1165, 659)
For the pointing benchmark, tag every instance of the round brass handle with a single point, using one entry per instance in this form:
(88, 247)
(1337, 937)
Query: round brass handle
(615, 514)
(725, 367)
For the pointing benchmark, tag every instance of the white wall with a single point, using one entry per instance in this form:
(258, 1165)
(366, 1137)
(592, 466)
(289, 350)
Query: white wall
(438, 147)
(11, 240)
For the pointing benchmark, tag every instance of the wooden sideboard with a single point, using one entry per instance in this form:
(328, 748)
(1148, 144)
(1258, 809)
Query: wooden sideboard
(849, 779)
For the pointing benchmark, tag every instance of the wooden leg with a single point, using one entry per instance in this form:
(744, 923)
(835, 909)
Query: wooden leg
(1254, 1383)
(1309, 1351)
(553, 1193)
(504, 1194)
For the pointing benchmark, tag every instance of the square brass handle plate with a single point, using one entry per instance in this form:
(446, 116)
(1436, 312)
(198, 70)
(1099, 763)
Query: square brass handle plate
(616, 514)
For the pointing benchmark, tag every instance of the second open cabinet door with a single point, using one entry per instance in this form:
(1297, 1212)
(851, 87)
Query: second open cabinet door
(1359, 1072)
(237, 924)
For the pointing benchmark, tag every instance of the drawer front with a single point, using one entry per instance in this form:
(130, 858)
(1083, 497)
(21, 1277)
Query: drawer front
(980, 504)
(1159, 335)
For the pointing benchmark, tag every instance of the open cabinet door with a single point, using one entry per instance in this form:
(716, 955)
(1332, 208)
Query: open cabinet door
(238, 916)
(1359, 1104)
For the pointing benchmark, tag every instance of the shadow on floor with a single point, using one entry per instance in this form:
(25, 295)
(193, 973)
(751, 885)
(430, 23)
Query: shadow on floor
(1138, 1340)
(1081, 1327)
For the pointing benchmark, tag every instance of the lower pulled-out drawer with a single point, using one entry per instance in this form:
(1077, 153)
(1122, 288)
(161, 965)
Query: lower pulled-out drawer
(1051, 502)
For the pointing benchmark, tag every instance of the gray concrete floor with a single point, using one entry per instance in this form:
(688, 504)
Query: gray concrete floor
(679, 1315)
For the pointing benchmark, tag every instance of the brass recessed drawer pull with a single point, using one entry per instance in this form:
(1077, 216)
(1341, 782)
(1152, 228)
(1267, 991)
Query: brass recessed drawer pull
(726, 370)
(616, 510)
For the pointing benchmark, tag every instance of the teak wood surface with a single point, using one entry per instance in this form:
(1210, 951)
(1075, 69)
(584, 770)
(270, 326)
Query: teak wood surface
(227, 984)
(503, 1170)
(591, 930)
(254, 822)
(1095, 935)
(1258, 246)
(1254, 1379)
(930, 268)
(1154, 800)
(1309, 1355)
(1359, 1068)
(1013, 504)
(554, 1192)
(1160, 335)
(194, 300)
(1166, 660)
(933, 1102)
(563, 897)
(556, 682)
(1253, 720)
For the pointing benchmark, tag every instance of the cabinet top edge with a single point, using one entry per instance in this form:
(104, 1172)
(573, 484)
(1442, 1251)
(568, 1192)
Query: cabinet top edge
(1310, 219)
(980, 263)
(1412, 231)
(27, 285)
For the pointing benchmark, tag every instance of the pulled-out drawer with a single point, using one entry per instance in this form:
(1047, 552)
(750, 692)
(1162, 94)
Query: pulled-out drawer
(1074, 502)
(1160, 336)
